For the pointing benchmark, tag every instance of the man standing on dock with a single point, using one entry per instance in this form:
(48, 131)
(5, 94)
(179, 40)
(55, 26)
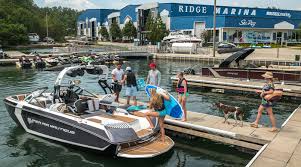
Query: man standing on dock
(154, 75)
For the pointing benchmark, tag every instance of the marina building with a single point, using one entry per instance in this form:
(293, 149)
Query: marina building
(234, 24)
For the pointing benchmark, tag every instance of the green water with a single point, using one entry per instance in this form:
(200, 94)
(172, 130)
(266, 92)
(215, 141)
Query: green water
(18, 148)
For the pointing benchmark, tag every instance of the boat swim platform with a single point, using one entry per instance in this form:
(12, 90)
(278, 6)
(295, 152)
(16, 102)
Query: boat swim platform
(285, 148)
(237, 85)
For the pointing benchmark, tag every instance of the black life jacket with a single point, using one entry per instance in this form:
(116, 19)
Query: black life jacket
(180, 88)
(131, 79)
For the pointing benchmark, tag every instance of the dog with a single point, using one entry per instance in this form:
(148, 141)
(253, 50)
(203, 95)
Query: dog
(231, 110)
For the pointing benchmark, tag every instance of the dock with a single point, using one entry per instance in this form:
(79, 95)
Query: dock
(213, 128)
(6, 62)
(237, 85)
(277, 149)
(285, 149)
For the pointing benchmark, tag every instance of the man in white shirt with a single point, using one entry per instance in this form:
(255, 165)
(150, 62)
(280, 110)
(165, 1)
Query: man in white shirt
(117, 77)
(154, 75)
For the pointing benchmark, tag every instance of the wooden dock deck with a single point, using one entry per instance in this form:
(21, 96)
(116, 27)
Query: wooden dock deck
(285, 149)
(237, 85)
(212, 127)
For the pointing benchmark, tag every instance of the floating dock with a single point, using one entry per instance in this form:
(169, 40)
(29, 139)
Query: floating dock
(213, 128)
(237, 85)
(285, 148)
(281, 148)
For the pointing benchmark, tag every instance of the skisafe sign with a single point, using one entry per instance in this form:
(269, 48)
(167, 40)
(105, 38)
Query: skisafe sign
(196, 9)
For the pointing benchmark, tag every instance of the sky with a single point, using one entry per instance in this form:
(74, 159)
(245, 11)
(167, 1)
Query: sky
(118, 4)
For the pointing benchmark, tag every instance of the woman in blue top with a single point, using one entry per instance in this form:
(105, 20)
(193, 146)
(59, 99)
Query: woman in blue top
(268, 88)
(157, 107)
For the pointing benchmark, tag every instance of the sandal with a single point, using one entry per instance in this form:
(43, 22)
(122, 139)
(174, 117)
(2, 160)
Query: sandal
(254, 125)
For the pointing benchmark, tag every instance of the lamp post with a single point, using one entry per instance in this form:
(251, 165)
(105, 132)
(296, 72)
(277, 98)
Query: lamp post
(214, 27)
(46, 26)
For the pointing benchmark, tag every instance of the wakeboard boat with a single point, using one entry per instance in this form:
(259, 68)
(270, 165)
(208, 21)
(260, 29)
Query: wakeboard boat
(73, 115)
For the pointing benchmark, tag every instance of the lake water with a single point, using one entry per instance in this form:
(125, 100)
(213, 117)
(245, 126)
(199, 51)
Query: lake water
(19, 148)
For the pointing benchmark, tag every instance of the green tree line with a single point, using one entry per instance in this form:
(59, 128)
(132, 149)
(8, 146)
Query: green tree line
(20, 17)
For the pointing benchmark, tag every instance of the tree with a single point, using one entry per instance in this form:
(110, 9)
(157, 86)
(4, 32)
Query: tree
(115, 32)
(299, 30)
(149, 26)
(12, 34)
(161, 31)
(104, 33)
(27, 17)
(129, 31)
(156, 29)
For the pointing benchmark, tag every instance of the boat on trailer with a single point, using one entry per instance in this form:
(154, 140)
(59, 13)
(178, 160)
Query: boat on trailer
(73, 115)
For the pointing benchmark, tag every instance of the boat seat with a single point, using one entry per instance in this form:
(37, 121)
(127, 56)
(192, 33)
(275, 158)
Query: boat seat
(78, 107)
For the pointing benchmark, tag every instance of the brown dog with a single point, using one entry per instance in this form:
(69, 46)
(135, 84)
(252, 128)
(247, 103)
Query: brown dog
(230, 110)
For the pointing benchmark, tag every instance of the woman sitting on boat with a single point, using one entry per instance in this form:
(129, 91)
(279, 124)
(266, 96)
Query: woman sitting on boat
(267, 89)
(157, 107)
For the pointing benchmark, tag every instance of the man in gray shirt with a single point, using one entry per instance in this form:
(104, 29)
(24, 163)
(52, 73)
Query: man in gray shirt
(154, 75)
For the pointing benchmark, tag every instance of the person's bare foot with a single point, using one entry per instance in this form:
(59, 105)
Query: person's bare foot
(163, 139)
(184, 120)
(273, 130)
(254, 125)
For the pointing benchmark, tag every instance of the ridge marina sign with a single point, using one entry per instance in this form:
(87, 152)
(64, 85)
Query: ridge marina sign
(197, 9)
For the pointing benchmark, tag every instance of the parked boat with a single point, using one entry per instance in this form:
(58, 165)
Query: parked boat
(75, 116)
(232, 67)
(179, 37)
(24, 63)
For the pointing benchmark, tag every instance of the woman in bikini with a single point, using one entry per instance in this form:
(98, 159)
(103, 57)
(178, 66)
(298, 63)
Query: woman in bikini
(157, 110)
(268, 88)
(182, 90)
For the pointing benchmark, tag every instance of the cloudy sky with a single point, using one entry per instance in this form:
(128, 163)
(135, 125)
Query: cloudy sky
(118, 4)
